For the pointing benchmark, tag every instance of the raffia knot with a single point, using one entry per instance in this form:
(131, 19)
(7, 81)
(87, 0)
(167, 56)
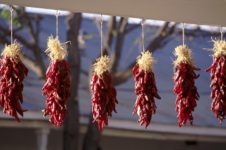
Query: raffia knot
(55, 49)
(183, 54)
(219, 48)
(13, 51)
(102, 64)
(145, 61)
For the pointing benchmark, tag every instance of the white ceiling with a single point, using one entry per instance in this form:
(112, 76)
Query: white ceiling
(207, 12)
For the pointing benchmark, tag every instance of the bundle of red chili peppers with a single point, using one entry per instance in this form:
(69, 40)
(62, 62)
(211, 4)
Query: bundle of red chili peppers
(218, 80)
(145, 88)
(184, 85)
(57, 86)
(12, 73)
(103, 92)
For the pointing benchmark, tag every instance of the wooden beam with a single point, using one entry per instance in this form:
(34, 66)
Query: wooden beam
(207, 12)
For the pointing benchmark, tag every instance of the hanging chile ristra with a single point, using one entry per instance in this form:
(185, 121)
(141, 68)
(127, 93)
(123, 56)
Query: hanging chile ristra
(12, 72)
(218, 80)
(145, 88)
(57, 85)
(103, 92)
(184, 85)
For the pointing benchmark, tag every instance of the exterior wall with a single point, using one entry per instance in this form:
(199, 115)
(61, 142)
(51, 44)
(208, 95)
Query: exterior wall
(26, 139)
(110, 143)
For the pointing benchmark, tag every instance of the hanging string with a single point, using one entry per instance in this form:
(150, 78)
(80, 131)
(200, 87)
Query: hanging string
(11, 24)
(101, 34)
(142, 34)
(183, 38)
(222, 34)
(57, 23)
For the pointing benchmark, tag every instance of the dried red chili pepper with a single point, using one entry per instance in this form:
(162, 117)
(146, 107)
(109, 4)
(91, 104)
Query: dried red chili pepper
(103, 93)
(218, 80)
(12, 72)
(184, 85)
(145, 88)
(57, 86)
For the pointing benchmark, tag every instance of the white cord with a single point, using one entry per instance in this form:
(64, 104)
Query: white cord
(57, 24)
(183, 38)
(222, 34)
(11, 24)
(142, 35)
(101, 34)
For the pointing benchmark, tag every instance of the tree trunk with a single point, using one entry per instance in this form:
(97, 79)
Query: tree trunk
(71, 123)
(92, 137)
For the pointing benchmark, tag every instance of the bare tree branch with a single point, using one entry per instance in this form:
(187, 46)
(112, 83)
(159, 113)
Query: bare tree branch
(110, 33)
(158, 41)
(119, 43)
(160, 35)
(29, 62)
(6, 32)
(121, 76)
(34, 46)
(132, 27)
